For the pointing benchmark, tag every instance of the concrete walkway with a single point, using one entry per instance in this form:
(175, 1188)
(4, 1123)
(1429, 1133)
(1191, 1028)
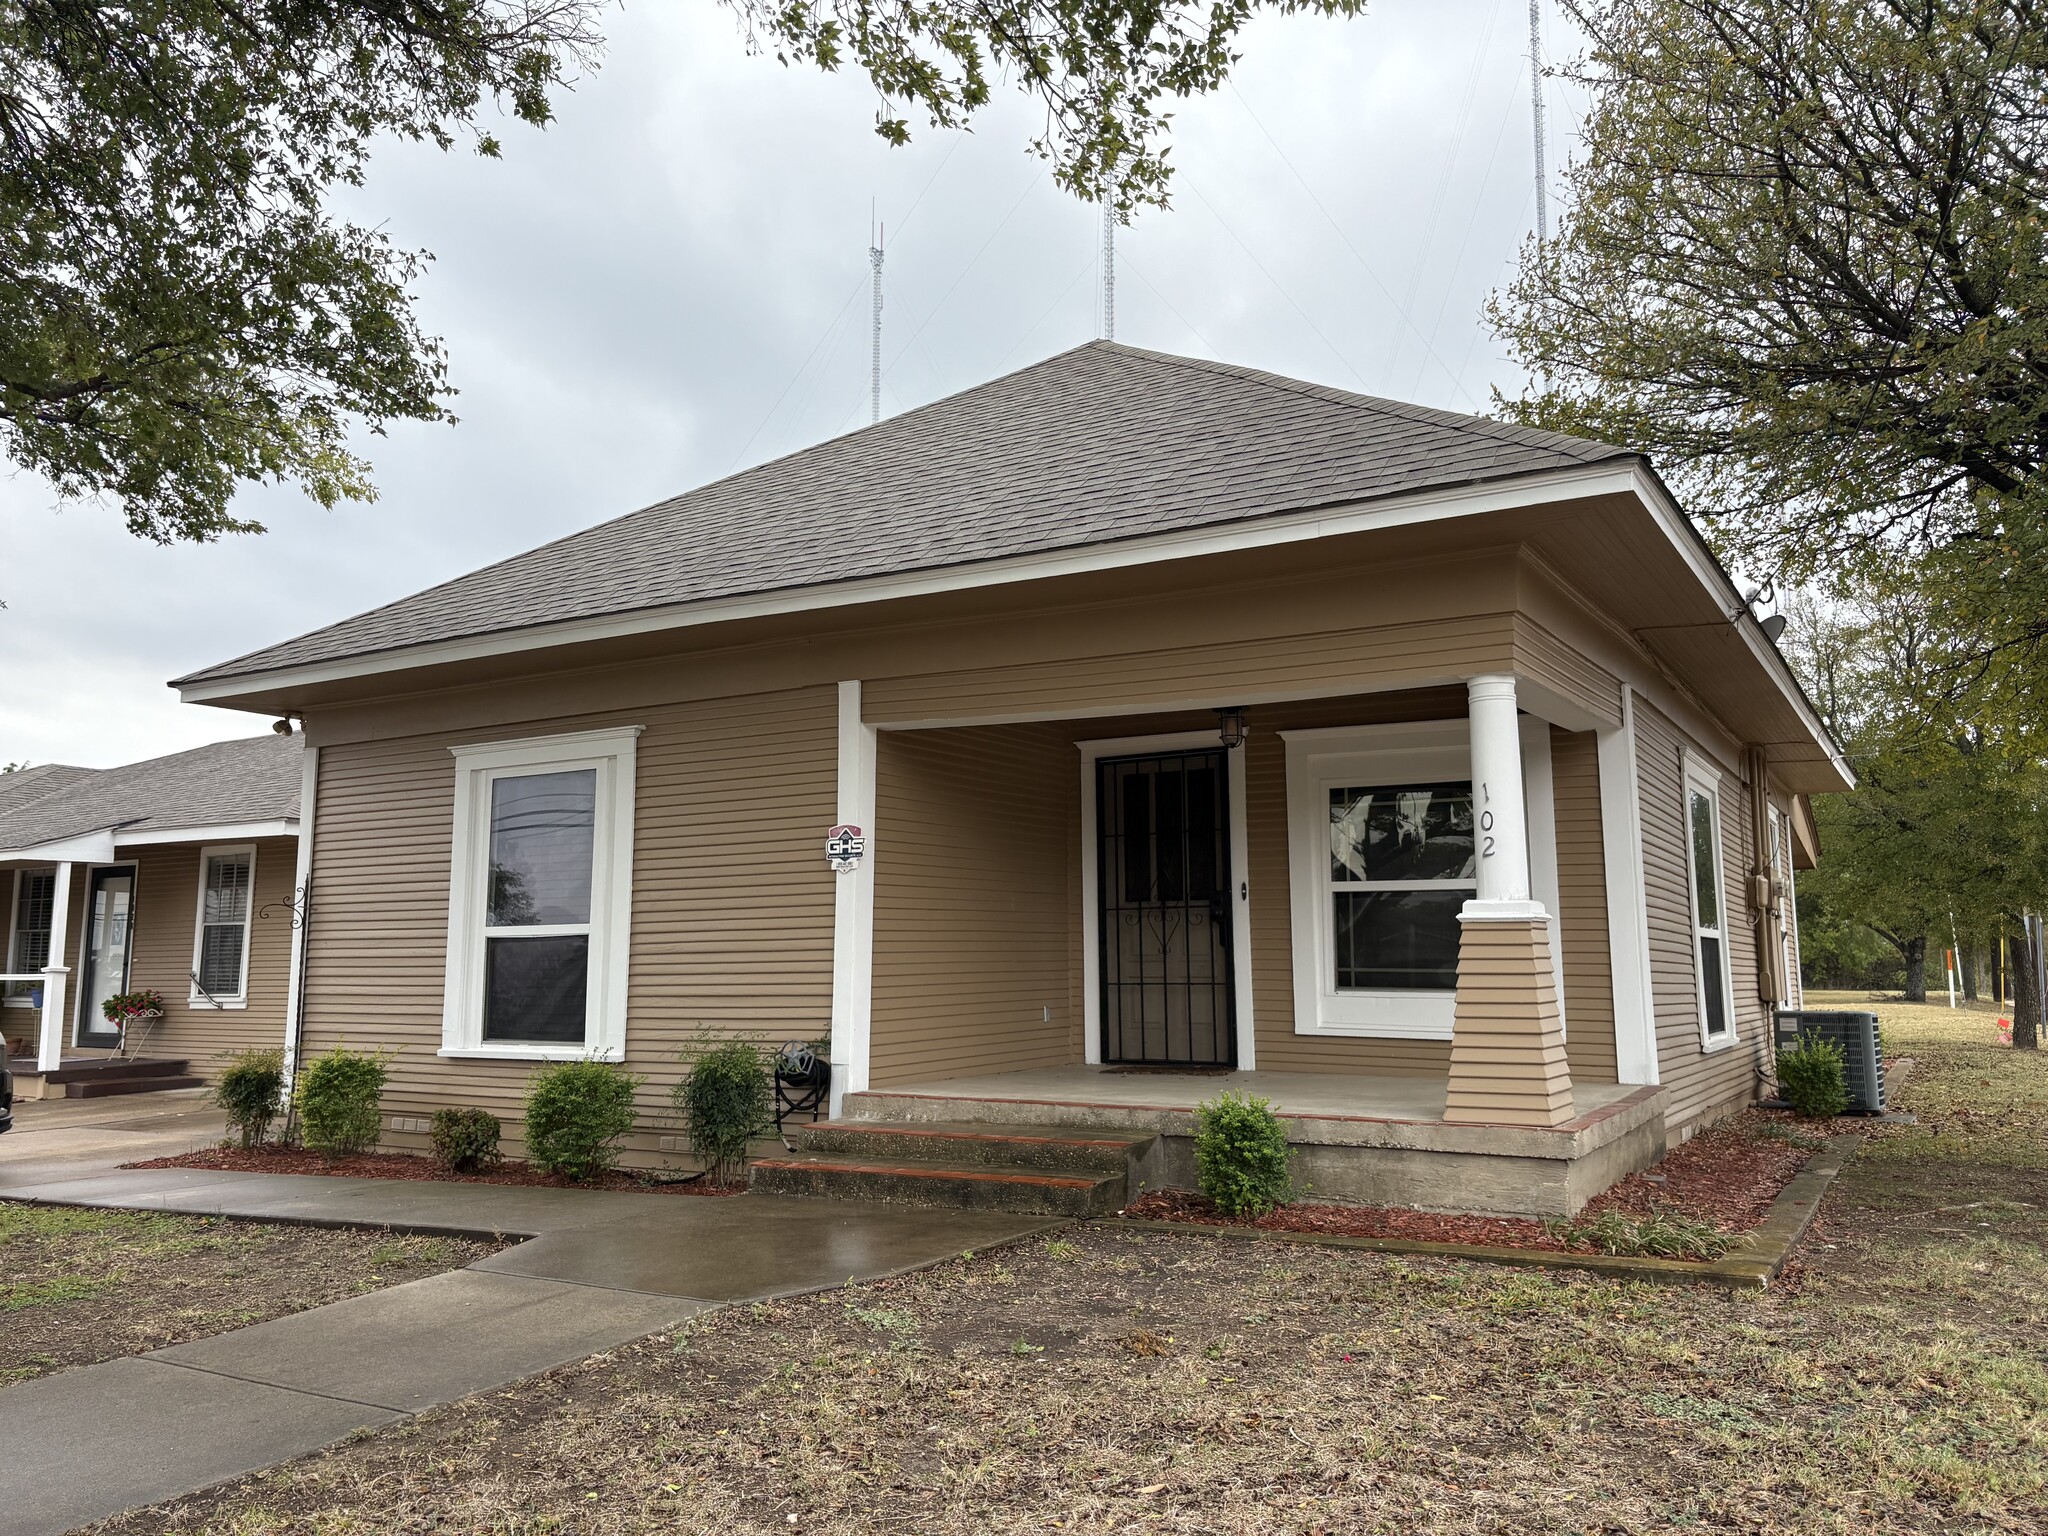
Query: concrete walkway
(599, 1269)
(63, 1138)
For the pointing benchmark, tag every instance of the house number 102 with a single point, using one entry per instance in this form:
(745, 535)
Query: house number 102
(1485, 822)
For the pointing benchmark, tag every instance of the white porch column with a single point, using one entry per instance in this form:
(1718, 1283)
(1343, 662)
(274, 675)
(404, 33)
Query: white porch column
(1507, 1036)
(50, 1047)
(302, 915)
(853, 906)
(1499, 805)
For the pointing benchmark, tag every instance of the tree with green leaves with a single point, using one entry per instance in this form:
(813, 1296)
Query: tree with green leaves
(1805, 267)
(182, 314)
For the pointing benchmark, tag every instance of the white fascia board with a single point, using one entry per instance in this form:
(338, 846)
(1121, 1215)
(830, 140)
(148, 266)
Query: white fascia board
(223, 832)
(1691, 548)
(90, 848)
(1609, 477)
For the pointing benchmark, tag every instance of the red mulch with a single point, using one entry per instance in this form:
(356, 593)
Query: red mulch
(410, 1165)
(1727, 1175)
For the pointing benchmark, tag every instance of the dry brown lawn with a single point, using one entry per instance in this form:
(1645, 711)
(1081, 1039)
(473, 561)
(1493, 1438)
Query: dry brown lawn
(81, 1286)
(1103, 1380)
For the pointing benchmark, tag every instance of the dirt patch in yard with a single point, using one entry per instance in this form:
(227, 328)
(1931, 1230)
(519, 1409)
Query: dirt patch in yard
(81, 1286)
(410, 1165)
(1109, 1379)
(1723, 1179)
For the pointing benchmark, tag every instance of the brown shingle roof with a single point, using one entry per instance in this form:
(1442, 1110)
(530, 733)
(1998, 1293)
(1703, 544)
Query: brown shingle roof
(229, 782)
(1095, 445)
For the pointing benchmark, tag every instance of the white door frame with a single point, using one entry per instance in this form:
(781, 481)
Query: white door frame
(1091, 891)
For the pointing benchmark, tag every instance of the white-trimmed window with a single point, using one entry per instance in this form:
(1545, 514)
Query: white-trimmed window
(540, 897)
(1709, 904)
(28, 931)
(220, 941)
(1381, 862)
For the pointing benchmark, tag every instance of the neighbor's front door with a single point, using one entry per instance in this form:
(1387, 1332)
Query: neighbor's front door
(1163, 863)
(110, 924)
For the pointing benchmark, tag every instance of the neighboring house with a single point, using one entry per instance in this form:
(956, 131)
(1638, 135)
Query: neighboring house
(173, 875)
(927, 740)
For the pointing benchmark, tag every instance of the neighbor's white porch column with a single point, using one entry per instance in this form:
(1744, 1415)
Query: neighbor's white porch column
(50, 1046)
(853, 905)
(1507, 1035)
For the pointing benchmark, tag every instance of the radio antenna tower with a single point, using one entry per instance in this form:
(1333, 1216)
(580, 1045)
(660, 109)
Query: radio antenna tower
(1536, 112)
(1108, 267)
(875, 324)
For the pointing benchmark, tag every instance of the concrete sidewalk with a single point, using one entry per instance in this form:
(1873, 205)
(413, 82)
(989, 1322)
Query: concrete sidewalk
(599, 1269)
(64, 1138)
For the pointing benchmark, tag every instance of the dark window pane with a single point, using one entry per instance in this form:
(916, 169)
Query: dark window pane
(542, 826)
(535, 989)
(1136, 831)
(1706, 884)
(1172, 848)
(1397, 939)
(1710, 978)
(1402, 832)
(1205, 832)
(220, 958)
(35, 901)
(227, 888)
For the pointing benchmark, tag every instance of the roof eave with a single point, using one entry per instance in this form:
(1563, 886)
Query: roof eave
(1464, 499)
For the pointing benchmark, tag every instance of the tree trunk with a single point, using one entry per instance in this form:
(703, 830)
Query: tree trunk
(2027, 999)
(1967, 962)
(1915, 951)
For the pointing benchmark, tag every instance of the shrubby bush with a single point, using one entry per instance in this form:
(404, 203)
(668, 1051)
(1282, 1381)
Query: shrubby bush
(338, 1095)
(1242, 1160)
(1812, 1077)
(466, 1140)
(726, 1100)
(251, 1089)
(575, 1114)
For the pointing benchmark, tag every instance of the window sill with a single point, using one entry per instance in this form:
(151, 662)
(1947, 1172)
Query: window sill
(509, 1051)
(216, 1004)
(1713, 1044)
(1421, 1029)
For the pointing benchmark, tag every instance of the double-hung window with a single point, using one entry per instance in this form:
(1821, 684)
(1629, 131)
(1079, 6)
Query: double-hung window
(539, 897)
(1709, 905)
(1402, 866)
(220, 947)
(28, 938)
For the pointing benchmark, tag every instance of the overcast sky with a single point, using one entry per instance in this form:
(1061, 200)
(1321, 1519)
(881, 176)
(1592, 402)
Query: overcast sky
(670, 283)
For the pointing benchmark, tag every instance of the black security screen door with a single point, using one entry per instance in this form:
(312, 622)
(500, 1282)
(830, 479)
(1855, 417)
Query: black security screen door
(1163, 836)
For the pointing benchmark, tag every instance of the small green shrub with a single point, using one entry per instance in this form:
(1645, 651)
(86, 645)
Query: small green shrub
(466, 1140)
(575, 1114)
(725, 1099)
(1241, 1155)
(1812, 1079)
(251, 1090)
(337, 1098)
(1660, 1235)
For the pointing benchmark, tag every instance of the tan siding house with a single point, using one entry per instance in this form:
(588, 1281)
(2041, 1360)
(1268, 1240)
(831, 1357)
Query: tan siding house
(178, 876)
(1126, 729)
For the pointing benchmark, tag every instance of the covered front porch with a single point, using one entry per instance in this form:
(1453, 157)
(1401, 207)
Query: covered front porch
(1383, 912)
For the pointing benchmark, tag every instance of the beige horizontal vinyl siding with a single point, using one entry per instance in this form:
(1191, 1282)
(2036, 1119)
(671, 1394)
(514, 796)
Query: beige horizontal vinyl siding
(1390, 656)
(732, 898)
(1582, 907)
(1700, 1082)
(166, 931)
(1542, 657)
(976, 831)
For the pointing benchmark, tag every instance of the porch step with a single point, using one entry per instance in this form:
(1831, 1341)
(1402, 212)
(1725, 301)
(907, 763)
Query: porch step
(112, 1069)
(108, 1087)
(1041, 1148)
(924, 1181)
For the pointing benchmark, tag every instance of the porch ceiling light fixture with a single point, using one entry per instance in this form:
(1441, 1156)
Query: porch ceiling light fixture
(1231, 729)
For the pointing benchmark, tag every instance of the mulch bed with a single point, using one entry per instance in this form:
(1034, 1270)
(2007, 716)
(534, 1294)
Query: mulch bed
(410, 1165)
(1726, 1176)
